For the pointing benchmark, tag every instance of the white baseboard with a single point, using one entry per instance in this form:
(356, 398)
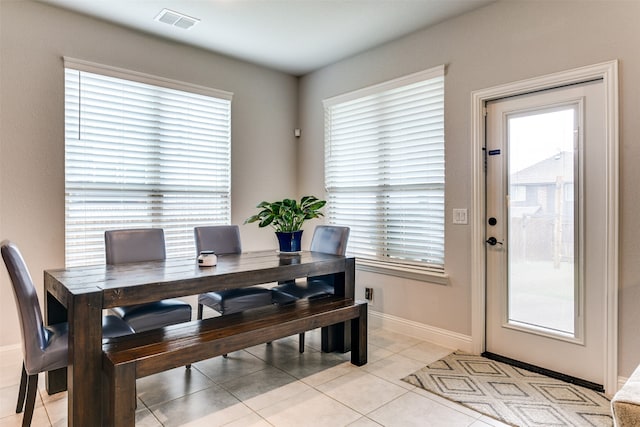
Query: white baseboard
(621, 382)
(421, 331)
(10, 347)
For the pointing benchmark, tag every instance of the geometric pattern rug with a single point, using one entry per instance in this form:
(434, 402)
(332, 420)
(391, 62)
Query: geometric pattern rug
(512, 395)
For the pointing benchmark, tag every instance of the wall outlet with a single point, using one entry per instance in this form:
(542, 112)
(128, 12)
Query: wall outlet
(368, 294)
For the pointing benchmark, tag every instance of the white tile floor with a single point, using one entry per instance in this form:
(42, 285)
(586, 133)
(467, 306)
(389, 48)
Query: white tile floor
(274, 385)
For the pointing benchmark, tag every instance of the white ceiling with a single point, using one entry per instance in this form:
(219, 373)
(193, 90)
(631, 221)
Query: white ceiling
(294, 36)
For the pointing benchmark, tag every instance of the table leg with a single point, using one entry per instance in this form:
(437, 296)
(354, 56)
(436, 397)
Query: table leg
(338, 337)
(84, 376)
(55, 381)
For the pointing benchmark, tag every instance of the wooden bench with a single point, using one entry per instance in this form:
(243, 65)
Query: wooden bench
(135, 356)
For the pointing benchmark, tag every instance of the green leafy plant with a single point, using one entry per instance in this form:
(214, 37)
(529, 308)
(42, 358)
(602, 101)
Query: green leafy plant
(287, 215)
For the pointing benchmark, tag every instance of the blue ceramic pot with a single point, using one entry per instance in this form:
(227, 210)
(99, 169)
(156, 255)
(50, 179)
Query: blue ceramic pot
(290, 241)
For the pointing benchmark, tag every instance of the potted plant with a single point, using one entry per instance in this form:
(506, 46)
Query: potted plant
(286, 217)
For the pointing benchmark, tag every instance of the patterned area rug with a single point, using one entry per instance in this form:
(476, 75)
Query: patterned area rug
(512, 395)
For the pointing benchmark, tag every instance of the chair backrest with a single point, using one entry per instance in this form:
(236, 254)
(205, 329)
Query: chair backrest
(134, 245)
(34, 336)
(330, 239)
(221, 239)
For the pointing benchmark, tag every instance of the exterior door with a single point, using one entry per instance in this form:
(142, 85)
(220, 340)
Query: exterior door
(546, 224)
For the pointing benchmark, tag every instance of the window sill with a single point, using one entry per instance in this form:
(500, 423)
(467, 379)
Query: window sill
(405, 271)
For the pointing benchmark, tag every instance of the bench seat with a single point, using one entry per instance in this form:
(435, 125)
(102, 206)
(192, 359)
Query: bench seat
(135, 356)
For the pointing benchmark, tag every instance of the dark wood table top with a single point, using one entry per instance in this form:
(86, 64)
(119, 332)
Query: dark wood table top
(137, 283)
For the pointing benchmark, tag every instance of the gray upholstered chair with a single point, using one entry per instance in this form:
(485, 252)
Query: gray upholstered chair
(330, 239)
(142, 245)
(43, 348)
(225, 239)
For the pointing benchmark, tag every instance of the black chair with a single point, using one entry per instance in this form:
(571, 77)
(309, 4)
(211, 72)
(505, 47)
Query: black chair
(142, 245)
(43, 348)
(225, 239)
(330, 239)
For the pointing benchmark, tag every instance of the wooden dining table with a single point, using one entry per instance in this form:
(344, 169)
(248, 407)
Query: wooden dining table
(79, 295)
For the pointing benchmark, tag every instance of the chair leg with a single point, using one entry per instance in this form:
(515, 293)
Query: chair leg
(301, 344)
(22, 392)
(32, 389)
(200, 307)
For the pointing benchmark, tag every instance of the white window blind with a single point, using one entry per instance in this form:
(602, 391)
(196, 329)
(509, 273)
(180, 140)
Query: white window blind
(384, 169)
(141, 155)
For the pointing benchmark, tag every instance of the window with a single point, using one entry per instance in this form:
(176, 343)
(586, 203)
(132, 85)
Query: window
(518, 193)
(142, 152)
(384, 170)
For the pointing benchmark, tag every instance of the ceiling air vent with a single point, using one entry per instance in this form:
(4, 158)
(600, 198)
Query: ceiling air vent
(176, 19)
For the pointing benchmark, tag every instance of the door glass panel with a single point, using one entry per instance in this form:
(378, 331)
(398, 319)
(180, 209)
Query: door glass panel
(541, 228)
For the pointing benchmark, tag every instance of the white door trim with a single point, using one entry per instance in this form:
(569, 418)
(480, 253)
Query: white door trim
(608, 72)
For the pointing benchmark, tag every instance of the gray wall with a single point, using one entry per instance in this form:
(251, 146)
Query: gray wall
(33, 39)
(500, 43)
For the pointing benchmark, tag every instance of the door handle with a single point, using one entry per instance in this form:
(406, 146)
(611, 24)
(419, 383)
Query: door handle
(493, 241)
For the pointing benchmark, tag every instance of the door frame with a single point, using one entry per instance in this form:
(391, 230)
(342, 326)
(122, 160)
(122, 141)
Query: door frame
(608, 72)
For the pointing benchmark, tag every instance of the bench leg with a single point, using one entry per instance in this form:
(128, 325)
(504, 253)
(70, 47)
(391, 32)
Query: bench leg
(121, 402)
(336, 338)
(359, 338)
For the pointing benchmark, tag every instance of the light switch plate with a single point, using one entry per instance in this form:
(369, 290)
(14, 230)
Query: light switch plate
(460, 216)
